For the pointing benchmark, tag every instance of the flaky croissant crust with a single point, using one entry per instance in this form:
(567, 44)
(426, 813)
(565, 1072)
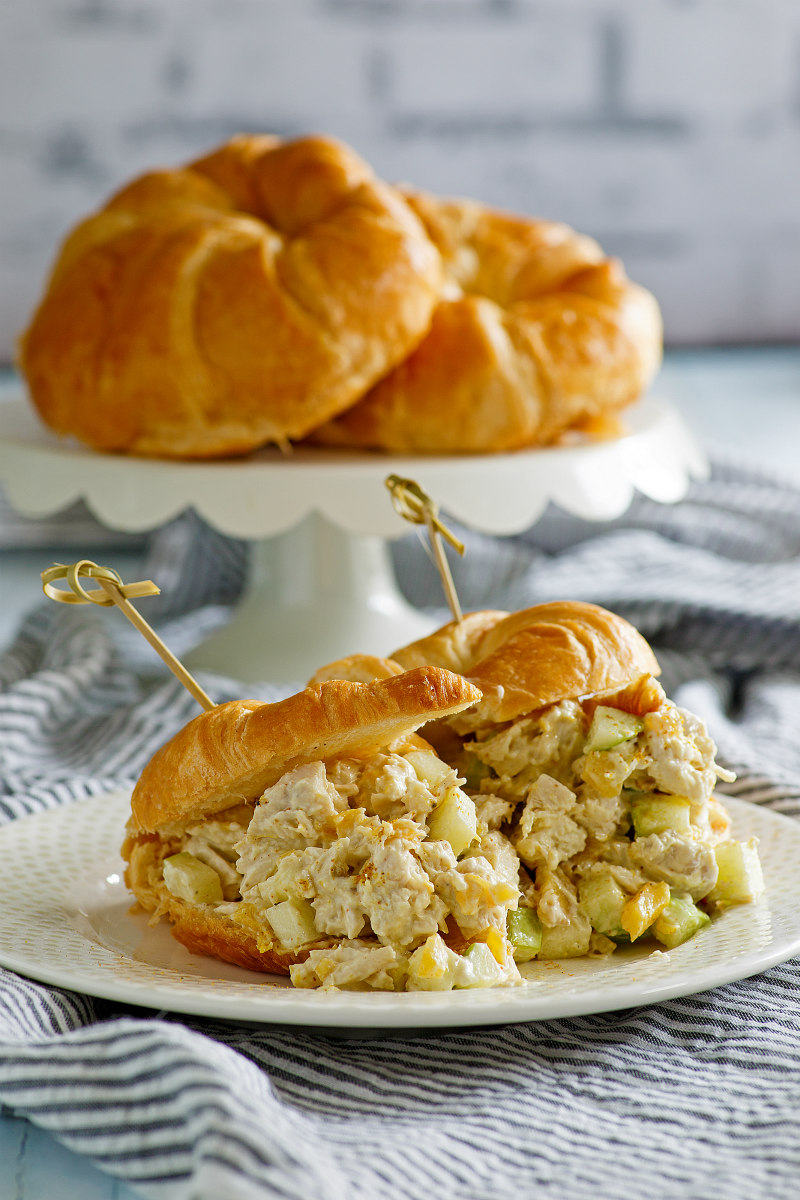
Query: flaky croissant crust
(537, 332)
(525, 660)
(231, 753)
(240, 300)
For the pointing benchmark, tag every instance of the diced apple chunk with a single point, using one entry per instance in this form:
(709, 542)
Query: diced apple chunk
(478, 967)
(454, 820)
(192, 880)
(602, 900)
(610, 727)
(432, 966)
(740, 878)
(566, 941)
(293, 923)
(429, 769)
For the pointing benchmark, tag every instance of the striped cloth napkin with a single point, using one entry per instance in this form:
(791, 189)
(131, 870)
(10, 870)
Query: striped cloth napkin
(693, 1098)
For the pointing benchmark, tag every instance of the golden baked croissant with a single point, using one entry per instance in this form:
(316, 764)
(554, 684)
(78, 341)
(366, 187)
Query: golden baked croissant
(520, 661)
(240, 300)
(537, 332)
(523, 661)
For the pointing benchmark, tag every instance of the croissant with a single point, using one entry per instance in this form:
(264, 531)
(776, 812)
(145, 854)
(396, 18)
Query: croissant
(526, 660)
(240, 300)
(537, 332)
(522, 661)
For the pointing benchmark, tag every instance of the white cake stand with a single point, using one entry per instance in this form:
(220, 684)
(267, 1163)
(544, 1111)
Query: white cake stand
(321, 584)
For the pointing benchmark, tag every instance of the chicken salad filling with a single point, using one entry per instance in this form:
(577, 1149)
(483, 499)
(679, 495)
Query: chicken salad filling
(570, 831)
(374, 870)
(609, 804)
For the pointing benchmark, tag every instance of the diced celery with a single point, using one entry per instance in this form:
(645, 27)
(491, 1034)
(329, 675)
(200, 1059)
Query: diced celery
(602, 900)
(429, 769)
(610, 727)
(454, 820)
(740, 878)
(524, 933)
(474, 771)
(192, 880)
(655, 814)
(293, 923)
(680, 920)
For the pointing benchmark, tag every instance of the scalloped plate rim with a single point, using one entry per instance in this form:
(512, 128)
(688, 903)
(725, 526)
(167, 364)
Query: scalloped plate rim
(239, 497)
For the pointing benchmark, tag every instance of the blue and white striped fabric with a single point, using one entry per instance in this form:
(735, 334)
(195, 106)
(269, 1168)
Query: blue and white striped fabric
(693, 1098)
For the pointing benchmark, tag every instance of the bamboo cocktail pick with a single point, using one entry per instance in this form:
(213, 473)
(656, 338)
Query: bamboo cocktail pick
(415, 505)
(112, 591)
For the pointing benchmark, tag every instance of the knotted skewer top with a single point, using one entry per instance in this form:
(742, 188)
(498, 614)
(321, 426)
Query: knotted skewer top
(414, 504)
(75, 593)
(112, 591)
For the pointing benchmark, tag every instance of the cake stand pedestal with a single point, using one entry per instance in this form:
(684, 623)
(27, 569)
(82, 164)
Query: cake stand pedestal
(321, 584)
(312, 595)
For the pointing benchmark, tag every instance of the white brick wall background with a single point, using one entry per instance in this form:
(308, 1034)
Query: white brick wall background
(668, 129)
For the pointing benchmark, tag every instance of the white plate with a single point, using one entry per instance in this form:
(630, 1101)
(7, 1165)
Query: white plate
(66, 922)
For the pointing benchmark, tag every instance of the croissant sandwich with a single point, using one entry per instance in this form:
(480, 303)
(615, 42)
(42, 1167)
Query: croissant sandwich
(321, 837)
(591, 788)
(237, 300)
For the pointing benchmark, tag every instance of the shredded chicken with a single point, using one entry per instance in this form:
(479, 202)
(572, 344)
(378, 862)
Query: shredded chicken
(600, 816)
(533, 746)
(350, 963)
(547, 833)
(299, 811)
(352, 843)
(557, 900)
(389, 788)
(684, 863)
(681, 754)
(476, 896)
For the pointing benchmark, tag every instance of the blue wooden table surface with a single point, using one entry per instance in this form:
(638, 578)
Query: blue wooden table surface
(33, 1166)
(740, 401)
